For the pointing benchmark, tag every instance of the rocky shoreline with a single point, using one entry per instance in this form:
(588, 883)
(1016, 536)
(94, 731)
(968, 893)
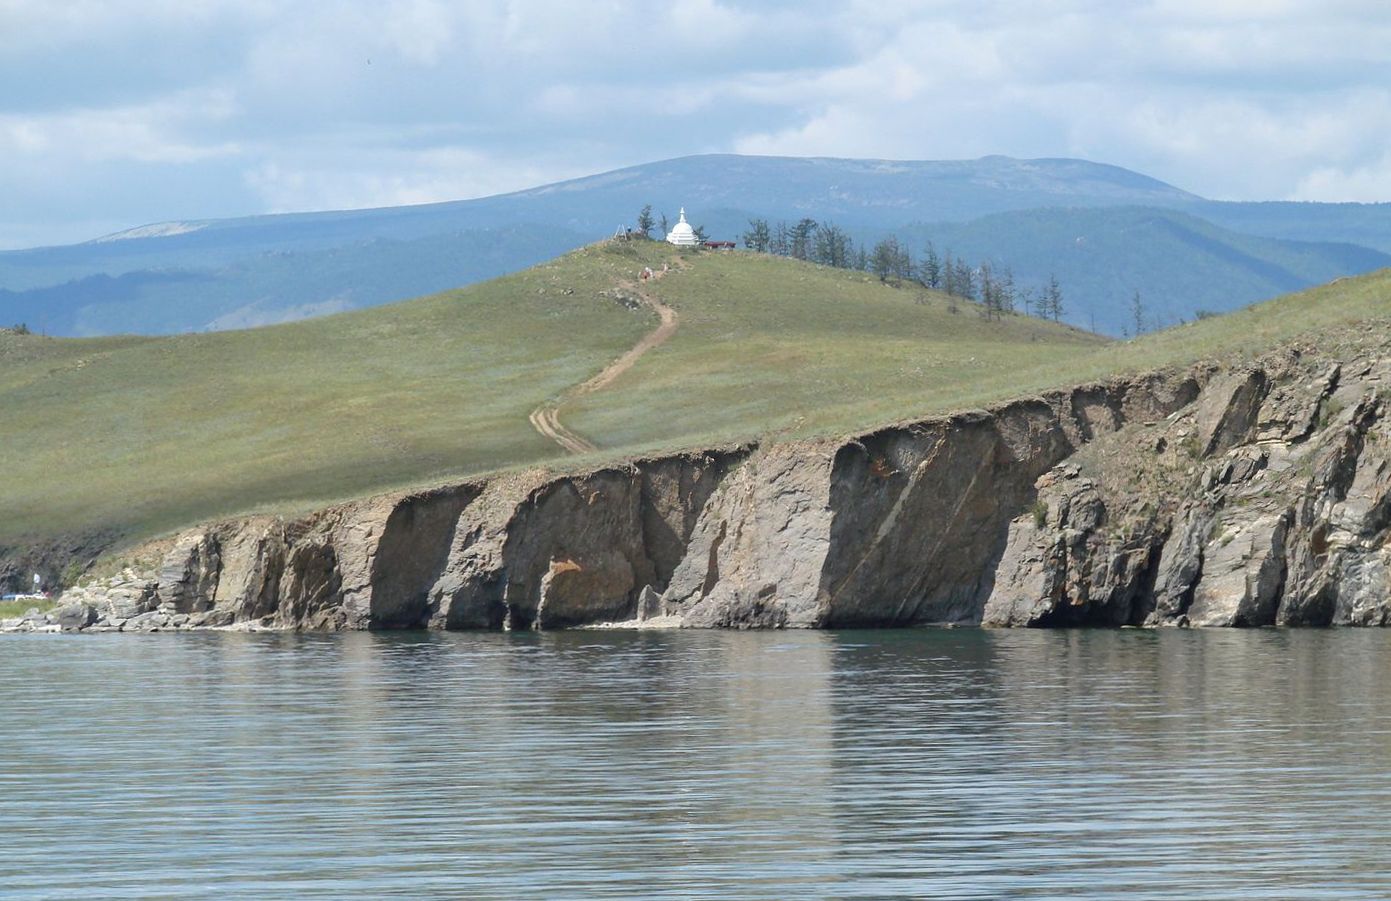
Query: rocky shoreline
(1253, 494)
(123, 603)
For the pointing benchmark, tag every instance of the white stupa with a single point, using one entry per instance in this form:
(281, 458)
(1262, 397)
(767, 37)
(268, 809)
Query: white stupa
(682, 235)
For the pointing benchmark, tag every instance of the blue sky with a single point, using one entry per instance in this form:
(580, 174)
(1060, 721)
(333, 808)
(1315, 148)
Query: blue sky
(117, 114)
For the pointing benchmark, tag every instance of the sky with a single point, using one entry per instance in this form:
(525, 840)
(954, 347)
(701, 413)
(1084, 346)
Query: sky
(119, 114)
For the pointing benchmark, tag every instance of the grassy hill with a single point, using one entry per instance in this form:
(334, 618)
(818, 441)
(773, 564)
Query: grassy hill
(131, 436)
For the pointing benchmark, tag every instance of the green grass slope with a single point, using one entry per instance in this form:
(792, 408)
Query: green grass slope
(772, 345)
(130, 437)
(137, 435)
(756, 355)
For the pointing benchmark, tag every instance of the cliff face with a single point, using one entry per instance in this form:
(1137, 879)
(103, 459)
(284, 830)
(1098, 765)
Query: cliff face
(1267, 502)
(1206, 497)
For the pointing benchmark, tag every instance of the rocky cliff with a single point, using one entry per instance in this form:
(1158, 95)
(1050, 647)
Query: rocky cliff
(1266, 502)
(1244, 495)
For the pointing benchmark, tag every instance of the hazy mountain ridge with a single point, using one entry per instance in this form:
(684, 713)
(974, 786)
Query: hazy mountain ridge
(275, 265)
(1179, 263)
(1368, 224)
(265, 285)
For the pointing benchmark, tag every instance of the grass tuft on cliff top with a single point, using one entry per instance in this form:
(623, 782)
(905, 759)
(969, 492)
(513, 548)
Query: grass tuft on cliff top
(133, 436)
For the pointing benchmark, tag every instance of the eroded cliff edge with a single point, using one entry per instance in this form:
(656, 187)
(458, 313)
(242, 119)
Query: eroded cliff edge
(1267, 502)
(1251, 494)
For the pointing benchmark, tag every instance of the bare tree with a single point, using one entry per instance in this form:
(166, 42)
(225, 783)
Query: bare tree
(1137, 313)
(1052, 303)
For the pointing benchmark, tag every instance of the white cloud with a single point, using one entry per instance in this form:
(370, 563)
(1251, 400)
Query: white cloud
(394, 179)
(273, 104)
(1185, 92)
(160, 132)
(1355, 184)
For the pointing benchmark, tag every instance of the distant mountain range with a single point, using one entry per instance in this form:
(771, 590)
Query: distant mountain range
(1104, 231)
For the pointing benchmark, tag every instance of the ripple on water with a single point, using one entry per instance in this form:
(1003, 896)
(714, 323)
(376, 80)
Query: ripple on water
(948, 764)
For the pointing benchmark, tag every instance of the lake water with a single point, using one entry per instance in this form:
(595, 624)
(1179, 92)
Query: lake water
(925, 763)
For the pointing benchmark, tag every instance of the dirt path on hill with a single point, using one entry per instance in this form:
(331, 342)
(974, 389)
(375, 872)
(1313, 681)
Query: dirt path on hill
(546, 418)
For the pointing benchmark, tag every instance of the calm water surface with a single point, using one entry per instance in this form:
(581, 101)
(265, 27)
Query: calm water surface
(940, 764)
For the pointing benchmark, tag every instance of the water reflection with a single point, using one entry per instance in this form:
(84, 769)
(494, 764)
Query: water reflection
(937, 763)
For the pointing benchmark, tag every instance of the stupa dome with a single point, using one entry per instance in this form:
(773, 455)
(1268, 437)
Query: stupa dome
(681, 234)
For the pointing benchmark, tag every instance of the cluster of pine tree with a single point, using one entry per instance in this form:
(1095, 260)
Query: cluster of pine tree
(806, 239)
(891, 261)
